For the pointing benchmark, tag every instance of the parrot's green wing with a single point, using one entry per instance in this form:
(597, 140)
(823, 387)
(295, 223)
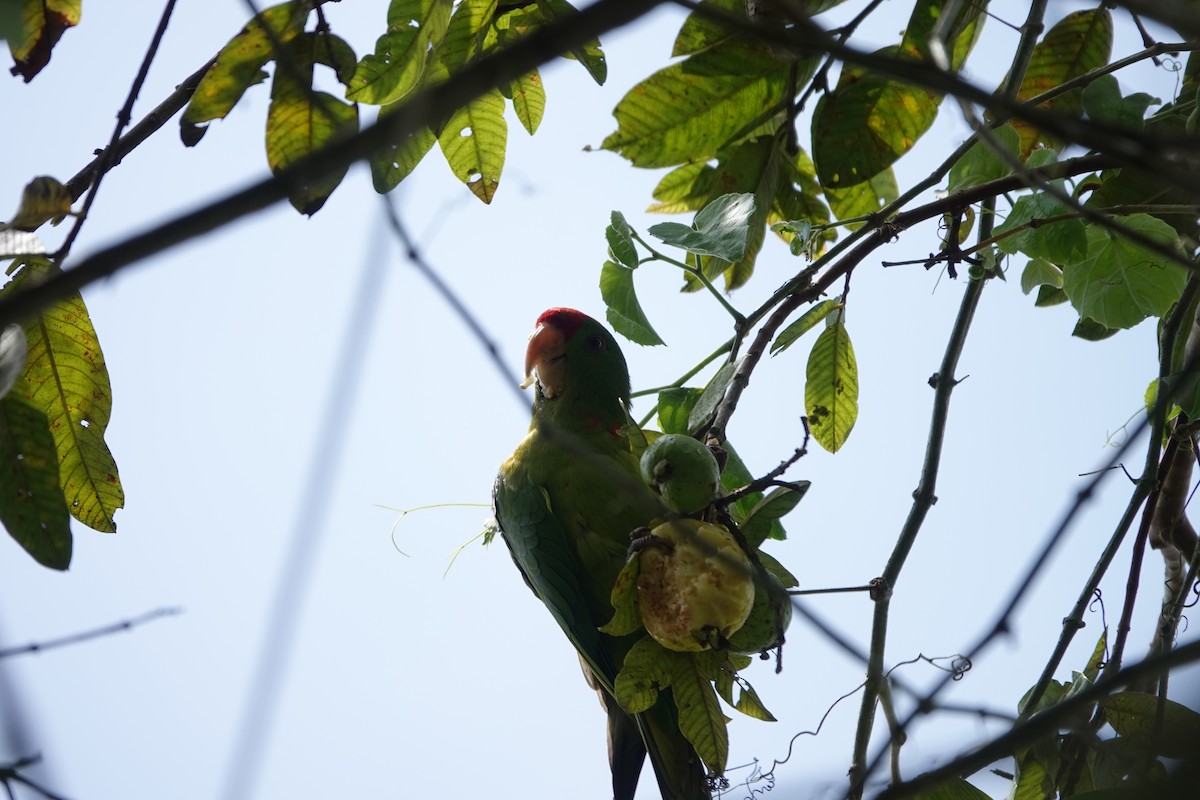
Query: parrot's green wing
(550, 564)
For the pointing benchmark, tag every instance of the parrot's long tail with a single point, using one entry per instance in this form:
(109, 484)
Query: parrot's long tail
(680, 773)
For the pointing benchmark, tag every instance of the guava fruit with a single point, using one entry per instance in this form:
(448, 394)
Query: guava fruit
(683, 471)
(768, 619)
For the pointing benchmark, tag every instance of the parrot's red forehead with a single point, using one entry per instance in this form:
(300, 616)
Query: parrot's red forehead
(565, 320)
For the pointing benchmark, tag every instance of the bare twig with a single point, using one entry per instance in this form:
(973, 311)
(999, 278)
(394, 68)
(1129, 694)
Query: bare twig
(88, 635)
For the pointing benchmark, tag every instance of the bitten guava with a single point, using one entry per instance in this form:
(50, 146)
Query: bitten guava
(695, 585)
(683, 471)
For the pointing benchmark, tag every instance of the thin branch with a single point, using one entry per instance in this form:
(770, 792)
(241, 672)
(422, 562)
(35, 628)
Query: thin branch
(88, 635)
(107, 159)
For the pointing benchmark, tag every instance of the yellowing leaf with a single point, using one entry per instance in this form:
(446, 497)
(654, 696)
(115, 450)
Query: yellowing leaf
(65, 379)
(473, 142)
(700, 717)
(398, 62)
(647, 668)
(43, 200)
(40, 24)
(626, 617)
(831, 388)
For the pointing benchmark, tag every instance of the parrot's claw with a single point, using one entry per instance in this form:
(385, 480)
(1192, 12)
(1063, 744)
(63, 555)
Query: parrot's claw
(642, 538)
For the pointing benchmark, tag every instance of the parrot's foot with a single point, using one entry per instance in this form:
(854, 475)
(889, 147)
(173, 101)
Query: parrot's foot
(711, 638)
(642, 538)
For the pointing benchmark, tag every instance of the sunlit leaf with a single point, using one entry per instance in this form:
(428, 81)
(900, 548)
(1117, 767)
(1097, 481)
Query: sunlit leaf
(620, 241)
(721, 228)
(589, 55)
(301, 121)
(239, 66)
(700, 31)
(675, 407)
(863, 198)
(750, 704)
(394, 163)
(66, 380)
(460, 40)
(529, 100)
(624, 311)
(44, 199)
(396, 66)
(803, 324)
(831, 388)
(473, 141)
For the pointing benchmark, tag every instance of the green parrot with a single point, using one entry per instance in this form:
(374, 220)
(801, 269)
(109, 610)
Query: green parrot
(566, 503)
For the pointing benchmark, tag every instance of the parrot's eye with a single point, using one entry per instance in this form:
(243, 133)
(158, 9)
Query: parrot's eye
(594, 343)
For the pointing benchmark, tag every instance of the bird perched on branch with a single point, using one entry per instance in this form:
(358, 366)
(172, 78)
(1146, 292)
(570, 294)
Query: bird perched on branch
(566, 503)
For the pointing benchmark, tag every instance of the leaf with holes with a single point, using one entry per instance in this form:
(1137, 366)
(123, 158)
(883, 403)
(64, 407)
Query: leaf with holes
(831, 388)
(65, 379)
(473, 143)
(32, 506)
(239, 66)
(396, 161)
(396, 66)
(646, 670)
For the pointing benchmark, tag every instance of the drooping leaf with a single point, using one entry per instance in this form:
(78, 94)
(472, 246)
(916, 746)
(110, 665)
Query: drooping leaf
(1078, 43)
(865, 124)
(773, 566)
(1040, 272)
(460, 41)
(32, 507)
(706, 404)
(1049, 296)
(473, 141)
(1091, 331)
(624, 311)
(700, 717)
(239, 66)
(589, 55)
(721, 228)
(648, 667)
(803, 324)
(394, 163)
(982, 163)
(396, 66)
(797, 197)
(690, 110)
(626, 617)
(776, 504)
(44, 199)
(831, 388)
(1063, 241)
(39, 25)
(750, 704)
(675, 406)
(1136, 714)
(66, 380)
(301, 121)
(863, 198)
(1120, 283)
(529, 100)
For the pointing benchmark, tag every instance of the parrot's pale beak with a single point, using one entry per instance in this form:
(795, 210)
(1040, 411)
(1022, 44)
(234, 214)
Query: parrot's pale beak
(545, 360)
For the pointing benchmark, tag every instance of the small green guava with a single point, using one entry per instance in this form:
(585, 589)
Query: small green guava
(768, 620)
(683, 471)
(695, 585)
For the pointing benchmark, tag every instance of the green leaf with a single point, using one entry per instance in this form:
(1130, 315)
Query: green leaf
(831, 388)
(690, 110)
(1119, 283)
(706, 404)
(460, 41)
(1079, 43)
(1136, 714)
(773, 566)
(301, 121)
(981, 163)
(394, 163)
(473, 142)
(721, 228)
(863, 198)
(626, 616)
(952, 789)
(648, 667)
(1091, 331)
(775, 505)
(1102, 101)
(700, 717)
(1050, 296)
(620, 241)
(674, 408)
(624, 311)
(802, 325)
(700, 31)
(590, 54)
(864, 125)
(239, 66)
(750, 704)
(66, 379)
(528, 100)
(1040, 272)
(1062, 242)
(1034, 781)
(32, 506)
(396, 67)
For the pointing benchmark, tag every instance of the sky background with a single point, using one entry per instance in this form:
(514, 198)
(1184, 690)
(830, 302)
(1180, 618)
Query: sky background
(227, 355)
